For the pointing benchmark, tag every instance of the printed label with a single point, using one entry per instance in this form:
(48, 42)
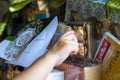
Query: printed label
(24, 38)
(102, 52)
(14, 48)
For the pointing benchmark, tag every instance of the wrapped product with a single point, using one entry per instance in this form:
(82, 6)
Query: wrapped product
(93, 72)
(108, 54)
(74, 67)
(71, 72)
(80, 30)
(88, 37)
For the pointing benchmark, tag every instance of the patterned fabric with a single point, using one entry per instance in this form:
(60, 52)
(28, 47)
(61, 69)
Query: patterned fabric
(96, 8)
(85, 7)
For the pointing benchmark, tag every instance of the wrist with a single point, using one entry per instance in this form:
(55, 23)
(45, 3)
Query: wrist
(51, 57)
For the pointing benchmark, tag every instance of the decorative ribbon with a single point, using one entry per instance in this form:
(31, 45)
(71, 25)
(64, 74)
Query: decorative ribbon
(110, 6)
(4, 23)
(15, 5)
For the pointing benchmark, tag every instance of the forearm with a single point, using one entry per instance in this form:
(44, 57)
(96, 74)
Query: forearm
(39, 69)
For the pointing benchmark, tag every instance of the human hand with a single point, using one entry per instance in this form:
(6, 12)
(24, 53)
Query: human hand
(66, 45)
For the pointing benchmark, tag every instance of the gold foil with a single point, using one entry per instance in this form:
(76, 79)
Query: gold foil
(81, 34)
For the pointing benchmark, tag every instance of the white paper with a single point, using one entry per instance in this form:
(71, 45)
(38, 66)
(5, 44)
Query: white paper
(55, 75)
(3, 46)
(38, 46)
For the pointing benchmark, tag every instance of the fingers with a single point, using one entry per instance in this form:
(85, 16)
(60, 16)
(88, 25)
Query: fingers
(71, 40)
(66, 45)
(72, 43)
(70, 35)
(73, 47)
(74, 52)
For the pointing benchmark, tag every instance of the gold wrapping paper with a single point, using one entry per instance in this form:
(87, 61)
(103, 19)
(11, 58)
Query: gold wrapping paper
(93, 72)
(81, 33)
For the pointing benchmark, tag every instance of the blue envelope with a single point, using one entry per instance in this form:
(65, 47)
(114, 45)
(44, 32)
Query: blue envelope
(38, 45)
